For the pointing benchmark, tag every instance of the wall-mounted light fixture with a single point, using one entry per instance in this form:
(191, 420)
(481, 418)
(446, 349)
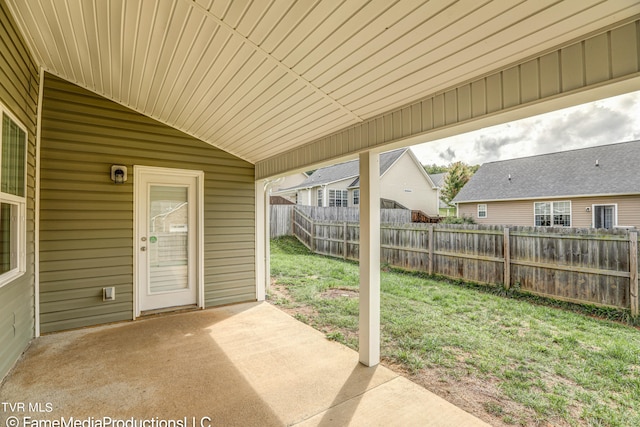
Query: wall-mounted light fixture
(118, 174)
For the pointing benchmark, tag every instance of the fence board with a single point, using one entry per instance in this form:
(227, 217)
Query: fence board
(578, 265)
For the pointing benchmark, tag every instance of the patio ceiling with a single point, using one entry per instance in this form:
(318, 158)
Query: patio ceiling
(260, 78)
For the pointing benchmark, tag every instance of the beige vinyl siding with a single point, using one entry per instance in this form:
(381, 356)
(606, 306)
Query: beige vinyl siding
(86, 223)
(520, 212)
(628, 210)
(19, 93)
(407, 185)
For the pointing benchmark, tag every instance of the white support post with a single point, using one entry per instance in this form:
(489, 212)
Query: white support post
(261, 240)
(369, 335)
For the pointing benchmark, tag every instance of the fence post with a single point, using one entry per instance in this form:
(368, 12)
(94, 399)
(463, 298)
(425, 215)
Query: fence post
(312, 237)
(344, 244)
(431, 249)
(507, 258)
(633, 270)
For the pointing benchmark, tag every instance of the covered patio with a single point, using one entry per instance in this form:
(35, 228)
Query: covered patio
(246, 364)
(218, 99)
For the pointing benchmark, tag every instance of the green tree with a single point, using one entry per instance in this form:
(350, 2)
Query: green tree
(457, 176)
(433, 168)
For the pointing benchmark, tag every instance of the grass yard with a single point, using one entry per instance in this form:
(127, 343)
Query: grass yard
(508, 361)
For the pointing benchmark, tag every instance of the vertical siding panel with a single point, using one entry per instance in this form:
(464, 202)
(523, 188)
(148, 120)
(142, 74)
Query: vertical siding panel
(427, 114)
(406, 121)
(478, 98)
(549, 74)
(450, 107)
(530, 81)
(438, 111)
(464, 102)
(82, 212)
(572, 67)
(19, 83)
(396, 125)
(597, 58)
(494, 93)
(416, 118)
(511, 87)
(624, 50)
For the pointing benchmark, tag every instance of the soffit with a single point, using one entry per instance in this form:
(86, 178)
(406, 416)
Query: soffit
(259, 78)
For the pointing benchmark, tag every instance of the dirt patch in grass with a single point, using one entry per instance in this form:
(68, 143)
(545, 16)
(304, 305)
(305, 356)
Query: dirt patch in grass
(479, 398)
(339, 293)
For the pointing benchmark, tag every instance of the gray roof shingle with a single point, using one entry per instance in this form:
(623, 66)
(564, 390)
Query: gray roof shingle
(346, 170)
(437, 178)
(561, 174)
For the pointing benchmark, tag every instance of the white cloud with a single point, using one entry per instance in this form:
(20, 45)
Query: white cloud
(606, 121)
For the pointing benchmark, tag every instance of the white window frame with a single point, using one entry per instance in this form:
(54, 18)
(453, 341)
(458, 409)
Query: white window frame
(320, 197)
(485, 210)
(356, 197)
(343, 197)
(615, 213)
(18, 226)
(551, 203)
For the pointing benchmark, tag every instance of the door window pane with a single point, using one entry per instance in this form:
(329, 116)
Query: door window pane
(168, 238)
(604, 216)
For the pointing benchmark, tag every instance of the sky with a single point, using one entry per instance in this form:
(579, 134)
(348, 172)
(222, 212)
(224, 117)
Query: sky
(601, 122)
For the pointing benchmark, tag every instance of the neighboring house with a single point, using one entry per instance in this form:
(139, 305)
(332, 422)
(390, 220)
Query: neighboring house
(403, 182)
(444, 209)
(279, 188)
(591, 187)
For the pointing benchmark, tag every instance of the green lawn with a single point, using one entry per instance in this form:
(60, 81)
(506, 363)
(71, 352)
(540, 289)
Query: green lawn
(537, 364)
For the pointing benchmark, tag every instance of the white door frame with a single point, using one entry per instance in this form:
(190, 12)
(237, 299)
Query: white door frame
(138, 205)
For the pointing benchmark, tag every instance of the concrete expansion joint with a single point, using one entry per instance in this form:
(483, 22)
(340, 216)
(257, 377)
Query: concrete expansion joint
(337, 402)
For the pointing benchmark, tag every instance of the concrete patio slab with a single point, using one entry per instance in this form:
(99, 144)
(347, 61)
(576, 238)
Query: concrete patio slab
(246, 364)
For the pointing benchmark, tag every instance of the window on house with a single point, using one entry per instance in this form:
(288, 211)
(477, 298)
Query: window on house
(356, 197)
(320, 197)
(482, 210)
(604, 216)
(338, 198)
(552, 214)
(12, 199)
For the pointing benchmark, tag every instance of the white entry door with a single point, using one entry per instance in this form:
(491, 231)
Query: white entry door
(167, 237)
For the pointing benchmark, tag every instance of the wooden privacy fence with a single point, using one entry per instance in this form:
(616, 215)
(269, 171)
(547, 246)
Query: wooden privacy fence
(578, 265)
(281, 216)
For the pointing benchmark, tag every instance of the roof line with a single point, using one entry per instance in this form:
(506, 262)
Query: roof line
(266, 55)
(562, 152)
(578, 196)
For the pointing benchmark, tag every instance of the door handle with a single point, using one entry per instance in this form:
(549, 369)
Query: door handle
(143, 248)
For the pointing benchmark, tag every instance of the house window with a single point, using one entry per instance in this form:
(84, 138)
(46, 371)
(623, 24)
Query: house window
(482, 210)
(552, 214)
(604, 216)
(320, 197)
(356, 197)
(338, 198)
(12, 199)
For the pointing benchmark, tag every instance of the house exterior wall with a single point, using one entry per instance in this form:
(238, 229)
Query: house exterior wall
(407, 185)
(86, 222)
(520, 212)
(19, 84)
